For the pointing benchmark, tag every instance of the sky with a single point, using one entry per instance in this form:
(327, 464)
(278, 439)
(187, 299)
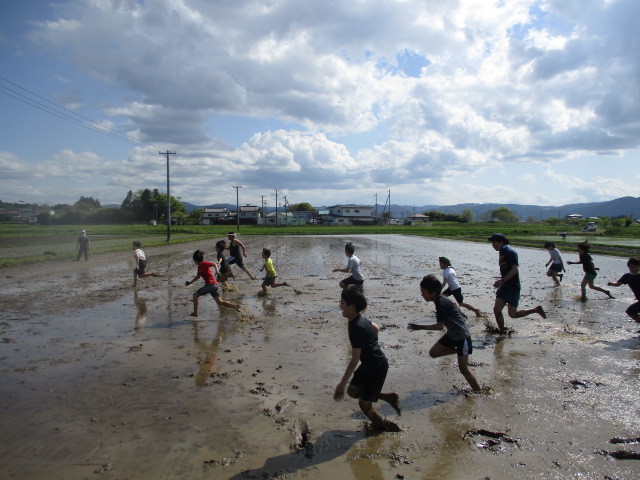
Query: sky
(428, 102)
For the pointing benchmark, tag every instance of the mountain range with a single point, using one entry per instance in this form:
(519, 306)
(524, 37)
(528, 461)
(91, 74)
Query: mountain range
(622, 206)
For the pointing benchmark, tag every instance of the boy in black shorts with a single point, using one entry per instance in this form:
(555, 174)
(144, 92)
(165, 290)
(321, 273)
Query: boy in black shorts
(457, 339)
(235, 257)
(224, 270)
(633, 280)
(369, 376)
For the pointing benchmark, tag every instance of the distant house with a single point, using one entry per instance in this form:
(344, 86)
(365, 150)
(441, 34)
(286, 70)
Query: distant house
(417, 219)
(249, 215)
(281, 218)
(574, 216)
(215, 216)
(349, 215)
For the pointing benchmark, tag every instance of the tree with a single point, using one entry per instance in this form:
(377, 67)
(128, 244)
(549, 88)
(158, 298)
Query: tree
(87, 203)
(195, 217)
(301, 207)
(127, 203)
(466, 216)
(504, 215)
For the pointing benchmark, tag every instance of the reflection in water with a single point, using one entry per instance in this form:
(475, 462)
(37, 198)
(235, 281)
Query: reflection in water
(141, 306)
(362, 457)
(207, 352)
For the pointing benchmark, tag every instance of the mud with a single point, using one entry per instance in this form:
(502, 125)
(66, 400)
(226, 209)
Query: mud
(97, 382)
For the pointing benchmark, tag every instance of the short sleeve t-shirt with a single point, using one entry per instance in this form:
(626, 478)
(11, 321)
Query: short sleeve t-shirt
(587, 264)
(555, 256)
(450, 278)
(362, 335)
(454, 321)
(508, 258)
(633, 281)
(139, 254)
(354, 265)
(204, 270)
(268, 266)
(224, 264)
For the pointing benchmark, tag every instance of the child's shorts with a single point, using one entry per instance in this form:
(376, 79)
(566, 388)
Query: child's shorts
(268, 281)
(590, 277)
(510, 295)
(463, 347)
(352, 281)
(212, 288)
(235, 261)
(369, 381)
(457, 294)
(556, 267)
(634, 309)
(142, 266)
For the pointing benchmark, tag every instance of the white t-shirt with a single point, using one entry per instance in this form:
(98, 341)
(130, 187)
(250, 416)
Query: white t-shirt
(354, 265)
(555, 256)
(139, 254)
(449, 276)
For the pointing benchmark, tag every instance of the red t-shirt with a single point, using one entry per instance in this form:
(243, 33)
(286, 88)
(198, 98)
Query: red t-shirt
(204, 270)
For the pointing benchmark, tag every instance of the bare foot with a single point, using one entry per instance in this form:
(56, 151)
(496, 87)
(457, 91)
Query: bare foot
(394, 401)
(609, 293)
(540, 311)
(193, 314)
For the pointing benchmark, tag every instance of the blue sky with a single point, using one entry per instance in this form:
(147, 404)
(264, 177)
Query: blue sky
(529, 102)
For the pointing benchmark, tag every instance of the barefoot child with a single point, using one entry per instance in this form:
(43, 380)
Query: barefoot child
(368, 378)
(633, 280)
(210, 284)
(508, 285)
(141, 264)
(353, 268)
(224, 269)
(453, 287)
(235, 257)
(590, 271)
(457, 339)
(270, 278)
(557, 266)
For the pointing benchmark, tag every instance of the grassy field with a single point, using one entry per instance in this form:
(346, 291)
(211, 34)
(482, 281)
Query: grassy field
(25, 244)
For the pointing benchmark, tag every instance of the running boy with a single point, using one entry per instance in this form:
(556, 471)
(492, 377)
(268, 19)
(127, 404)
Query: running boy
(557, 266)
(353, 268)
(633, 280)
(368, 378)
(224, 270)
(141, 264)
(235, 258)
(270, 278)
(210, 284)
(457, 338)
(450, 279)
(508, 285)
(590, 271)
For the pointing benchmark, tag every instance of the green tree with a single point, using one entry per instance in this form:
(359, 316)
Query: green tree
(466, 216)
(195, 217)
(301, 207)
(504, 215)
(86, 203)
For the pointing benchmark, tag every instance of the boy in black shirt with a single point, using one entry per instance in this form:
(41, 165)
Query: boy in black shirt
(368, 378)
(633, 280)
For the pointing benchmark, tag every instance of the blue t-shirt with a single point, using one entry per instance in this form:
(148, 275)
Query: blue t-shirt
(507, 259)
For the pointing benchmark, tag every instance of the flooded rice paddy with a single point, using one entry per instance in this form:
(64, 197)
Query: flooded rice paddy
(97, 382)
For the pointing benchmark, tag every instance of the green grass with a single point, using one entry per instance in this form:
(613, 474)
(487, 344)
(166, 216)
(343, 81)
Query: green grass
(26, 244)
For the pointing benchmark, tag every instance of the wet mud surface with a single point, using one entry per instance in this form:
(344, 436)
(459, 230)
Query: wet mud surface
(97, 382)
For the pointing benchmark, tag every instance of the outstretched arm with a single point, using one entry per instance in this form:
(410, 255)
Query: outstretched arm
(338, 394)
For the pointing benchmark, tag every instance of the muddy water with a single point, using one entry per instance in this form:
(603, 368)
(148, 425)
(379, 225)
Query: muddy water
(99, 383)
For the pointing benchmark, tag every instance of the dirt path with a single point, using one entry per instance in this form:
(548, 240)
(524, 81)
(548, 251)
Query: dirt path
(99, 383)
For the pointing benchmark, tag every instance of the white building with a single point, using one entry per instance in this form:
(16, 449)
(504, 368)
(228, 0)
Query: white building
(212, 216)
(349, 215)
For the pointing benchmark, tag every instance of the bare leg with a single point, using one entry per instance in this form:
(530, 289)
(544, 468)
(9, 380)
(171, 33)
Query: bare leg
(470, 307)
(498, 306)
(225, 303)
(372, 414)
(393, 400)
(463, 365)
(246, 270)
(515, 313)
(195, 305)
(593, 287)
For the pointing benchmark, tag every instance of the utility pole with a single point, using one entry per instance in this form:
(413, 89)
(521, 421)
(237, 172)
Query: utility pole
(237, 207)
(276, 207)
(167, 153)
(264, 218)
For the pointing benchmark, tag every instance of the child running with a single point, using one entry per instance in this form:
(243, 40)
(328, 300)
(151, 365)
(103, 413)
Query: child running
(224, 269)
(457, 339)
(353, 268)
(450, 279)
(590, 271)
(368, 378)
(235, 257)
(270, 278)
(141, 264)
(557, 265)
(633, 280)
(210, 284)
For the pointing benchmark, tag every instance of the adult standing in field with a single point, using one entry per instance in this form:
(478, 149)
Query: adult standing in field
(508, 293)
(82, 245)
(235, 257)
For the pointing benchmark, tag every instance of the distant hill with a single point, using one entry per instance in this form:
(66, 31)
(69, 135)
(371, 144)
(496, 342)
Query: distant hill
(613, 208)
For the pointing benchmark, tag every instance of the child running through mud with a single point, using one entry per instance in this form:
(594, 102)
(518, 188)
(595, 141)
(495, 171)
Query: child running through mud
(210, 284)
(270, 278)
(368, 378)
(590, 271)
(448, 315)
(633, 280)
(555, 264)
(450, 279)
(224, 269)
(141, 264)
(353, 268)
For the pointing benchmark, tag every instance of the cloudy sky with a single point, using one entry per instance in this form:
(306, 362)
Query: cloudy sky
(438, 102)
